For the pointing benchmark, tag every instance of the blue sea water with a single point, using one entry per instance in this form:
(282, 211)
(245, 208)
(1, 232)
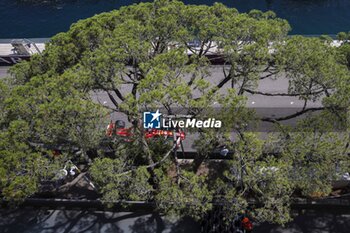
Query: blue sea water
(27, 20)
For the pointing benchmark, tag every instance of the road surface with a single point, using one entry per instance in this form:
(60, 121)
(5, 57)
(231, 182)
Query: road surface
(279, 85)
(265, 106)
(326, 220)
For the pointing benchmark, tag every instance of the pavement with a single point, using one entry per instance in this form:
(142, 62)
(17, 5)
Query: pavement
(265, 106)
(269, 85)
(28, 220)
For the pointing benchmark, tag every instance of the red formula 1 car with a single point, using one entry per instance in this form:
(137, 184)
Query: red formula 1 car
(118, 129)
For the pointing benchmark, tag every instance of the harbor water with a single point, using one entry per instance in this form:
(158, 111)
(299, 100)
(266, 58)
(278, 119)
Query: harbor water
(45, 18)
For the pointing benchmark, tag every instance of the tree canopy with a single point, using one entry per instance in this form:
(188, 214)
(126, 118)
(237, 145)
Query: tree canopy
(137, 58)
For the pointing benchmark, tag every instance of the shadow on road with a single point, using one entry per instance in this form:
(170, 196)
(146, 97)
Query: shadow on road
(313, 221)
(28, 220)
(40, 221)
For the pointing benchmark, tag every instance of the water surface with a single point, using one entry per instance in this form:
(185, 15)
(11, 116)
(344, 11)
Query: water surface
(28, 20)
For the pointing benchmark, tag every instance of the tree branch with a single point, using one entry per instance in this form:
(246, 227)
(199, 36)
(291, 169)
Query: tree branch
(117, 92)
(67, 186)
(280, 94)
(268, 119)
(113, 100)
(156, 163)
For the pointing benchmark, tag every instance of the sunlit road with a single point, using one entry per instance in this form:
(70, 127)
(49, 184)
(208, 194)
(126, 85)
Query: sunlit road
(255, 101)
(265, 106)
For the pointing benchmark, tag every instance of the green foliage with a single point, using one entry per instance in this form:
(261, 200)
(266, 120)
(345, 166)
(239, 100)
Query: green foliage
(344, 52)
(117, 183)
(3, 94)
(265, 177)
(326, 38)
(21, 167)
(308, 62)
(315, 157)
(136, 57)
(190, 196)
(343, 36)
(58, 112)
